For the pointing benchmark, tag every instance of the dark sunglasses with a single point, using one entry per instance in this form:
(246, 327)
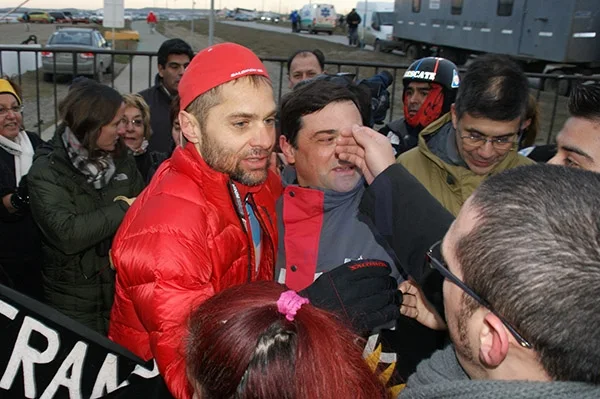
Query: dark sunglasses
(441, 267)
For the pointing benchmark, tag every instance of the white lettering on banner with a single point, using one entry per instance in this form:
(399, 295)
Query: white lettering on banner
(420, 75)
(28, 356)
(384, 357)
(144, 372)
(73, 362)
(8, 310)
(107, 377)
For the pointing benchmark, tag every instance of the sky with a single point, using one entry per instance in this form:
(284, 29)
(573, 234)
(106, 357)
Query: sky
(269, 5)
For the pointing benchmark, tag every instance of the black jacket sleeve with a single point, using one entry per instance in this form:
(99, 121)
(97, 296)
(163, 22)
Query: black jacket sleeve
(410, 220)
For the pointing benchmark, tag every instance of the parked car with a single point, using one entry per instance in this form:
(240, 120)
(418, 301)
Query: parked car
(60, 17)
(270, 17)
(97, 19)
(84, 40)
(243, 17)
(10, 19)
(80, 19)
(41, 17)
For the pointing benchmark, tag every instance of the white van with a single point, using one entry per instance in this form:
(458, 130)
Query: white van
(377, 24)
(316, 18)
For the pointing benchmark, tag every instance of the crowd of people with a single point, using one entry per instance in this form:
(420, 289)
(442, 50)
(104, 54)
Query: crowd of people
(256, 249)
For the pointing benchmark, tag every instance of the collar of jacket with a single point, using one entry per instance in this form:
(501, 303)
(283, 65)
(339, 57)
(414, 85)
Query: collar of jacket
(331, 199)
(457, 172)
(189, 161)
(442, 377)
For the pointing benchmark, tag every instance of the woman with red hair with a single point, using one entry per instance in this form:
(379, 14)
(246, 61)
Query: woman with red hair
(260, 341)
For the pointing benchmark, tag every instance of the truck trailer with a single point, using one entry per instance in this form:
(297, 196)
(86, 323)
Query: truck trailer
(552, 36)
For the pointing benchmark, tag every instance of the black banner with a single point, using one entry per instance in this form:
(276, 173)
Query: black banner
(45, 354)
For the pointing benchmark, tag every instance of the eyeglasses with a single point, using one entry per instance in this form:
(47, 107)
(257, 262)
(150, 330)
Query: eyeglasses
(441, 267)
(500, 143)
(17, 109)
(134, 122)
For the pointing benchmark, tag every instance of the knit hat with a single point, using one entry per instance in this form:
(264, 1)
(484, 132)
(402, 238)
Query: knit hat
(7, 88)
(216, 65)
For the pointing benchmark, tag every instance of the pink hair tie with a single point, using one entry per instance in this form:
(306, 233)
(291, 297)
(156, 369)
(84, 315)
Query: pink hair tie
(289, 302)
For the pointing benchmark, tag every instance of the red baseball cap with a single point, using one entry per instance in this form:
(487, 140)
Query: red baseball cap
(216, 65)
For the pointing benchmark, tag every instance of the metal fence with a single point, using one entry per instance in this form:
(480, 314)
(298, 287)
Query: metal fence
(42, 94)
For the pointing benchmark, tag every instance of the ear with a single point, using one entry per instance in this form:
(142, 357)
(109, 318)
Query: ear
(454, 117)
(290, 85)
(525, 124)
(288, 150)
(493, 341)
(161, 70)
(190, 128)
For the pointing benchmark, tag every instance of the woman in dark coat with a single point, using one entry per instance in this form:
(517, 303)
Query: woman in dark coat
(20, 253)
(79, 193)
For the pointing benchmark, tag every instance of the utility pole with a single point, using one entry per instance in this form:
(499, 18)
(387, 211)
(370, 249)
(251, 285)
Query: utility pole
(193, 4)
(211, 23)
(364, 24)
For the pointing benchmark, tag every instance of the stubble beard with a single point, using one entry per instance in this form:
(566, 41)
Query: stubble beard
(226, 161)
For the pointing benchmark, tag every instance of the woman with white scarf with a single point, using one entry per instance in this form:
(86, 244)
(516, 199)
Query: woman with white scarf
(20, 241)
(137, 135)
(80, 192)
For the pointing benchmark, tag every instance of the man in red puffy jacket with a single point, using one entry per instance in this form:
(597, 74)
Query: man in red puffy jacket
(207, 220)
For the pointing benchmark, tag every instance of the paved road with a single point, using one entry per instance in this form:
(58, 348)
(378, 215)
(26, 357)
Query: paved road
(339, 39)
(281, 29)
(320, 36)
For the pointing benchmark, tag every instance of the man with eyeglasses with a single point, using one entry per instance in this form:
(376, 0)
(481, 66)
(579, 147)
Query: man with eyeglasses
(174, 55)
(478, 137)
(521, 314)
(518, 272)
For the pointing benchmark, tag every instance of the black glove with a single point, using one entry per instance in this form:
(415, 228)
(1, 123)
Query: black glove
(20, 199)
(362, 292)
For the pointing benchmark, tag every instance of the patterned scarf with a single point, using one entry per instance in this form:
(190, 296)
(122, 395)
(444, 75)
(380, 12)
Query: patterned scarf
(98, 172)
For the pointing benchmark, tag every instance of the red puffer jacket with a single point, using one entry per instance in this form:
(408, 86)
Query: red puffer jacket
(180, 243)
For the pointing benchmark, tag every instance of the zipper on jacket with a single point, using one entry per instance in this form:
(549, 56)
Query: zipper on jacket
(241, 213)
(263, 226)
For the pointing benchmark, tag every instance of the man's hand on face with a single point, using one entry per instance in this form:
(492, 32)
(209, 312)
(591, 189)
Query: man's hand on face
(369, 150)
